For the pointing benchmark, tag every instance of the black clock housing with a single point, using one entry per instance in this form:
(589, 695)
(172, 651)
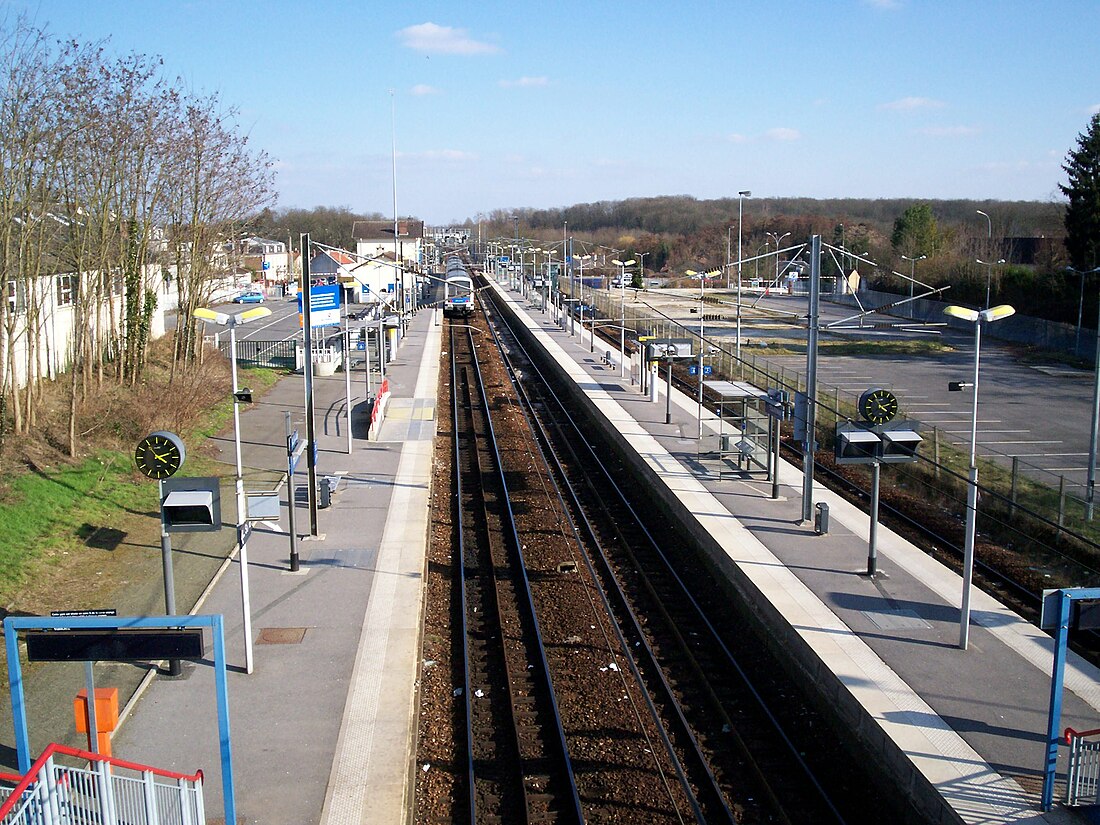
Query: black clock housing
(878, 406)
(159, 455)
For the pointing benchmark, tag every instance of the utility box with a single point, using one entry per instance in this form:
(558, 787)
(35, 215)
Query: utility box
(856, 445)
(821, 518)
(326, 487)
(899, 446)
(106, 717)
(191, 505)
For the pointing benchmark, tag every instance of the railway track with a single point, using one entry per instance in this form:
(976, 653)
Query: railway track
(731, 742)
(659, 698)
(518, 767)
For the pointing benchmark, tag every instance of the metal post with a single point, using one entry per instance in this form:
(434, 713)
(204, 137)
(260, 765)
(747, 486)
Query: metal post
(702, 281)
(872, 535)
(1090, 485)
(347, 374)
(291, 497)
(93, 721)
(775, 458)
(1061, 639)
(311, 428)
(668, 394)
(811, 377)
(971, 499)
(242, 507)
(169, 577)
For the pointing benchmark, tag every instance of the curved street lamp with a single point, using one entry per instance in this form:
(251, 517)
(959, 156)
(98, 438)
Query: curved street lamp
(976, 318)
(622, 309)
(233, 321)
(912, 276)
(775, 236)
(702, 276)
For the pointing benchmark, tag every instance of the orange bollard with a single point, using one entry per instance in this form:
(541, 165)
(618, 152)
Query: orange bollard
(106, 713)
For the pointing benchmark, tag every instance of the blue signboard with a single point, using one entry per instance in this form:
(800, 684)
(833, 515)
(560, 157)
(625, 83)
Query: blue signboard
(324, 305)
(694, 369)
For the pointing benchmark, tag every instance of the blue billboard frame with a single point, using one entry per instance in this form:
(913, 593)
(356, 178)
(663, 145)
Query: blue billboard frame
(13, 624)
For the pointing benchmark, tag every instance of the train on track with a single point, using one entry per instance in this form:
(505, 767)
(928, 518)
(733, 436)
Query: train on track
(458, 289)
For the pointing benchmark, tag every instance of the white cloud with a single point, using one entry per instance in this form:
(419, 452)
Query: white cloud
(423, 89)
(524, 83)
(737, 138)
(428, 37)
(950, 131)
(909, 104)
(781, 133)
(883, 4)
(1095, 109)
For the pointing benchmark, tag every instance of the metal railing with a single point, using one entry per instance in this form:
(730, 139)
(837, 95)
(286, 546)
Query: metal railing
(1084, 767)
(103, 791)
(274, 354)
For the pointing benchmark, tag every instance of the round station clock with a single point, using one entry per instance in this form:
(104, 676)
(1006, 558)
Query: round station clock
(160, 454)
(878, 405)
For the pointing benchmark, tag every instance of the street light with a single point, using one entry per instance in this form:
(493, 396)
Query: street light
(989, 274)
(912, 277)
(1080, 305)
(989, 245)
(622, 307)
(745, 193)
(702, 276)
(233, 321)
(777, 238)
(975, 317)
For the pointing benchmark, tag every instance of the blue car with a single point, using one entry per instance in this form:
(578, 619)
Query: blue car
(252, 296)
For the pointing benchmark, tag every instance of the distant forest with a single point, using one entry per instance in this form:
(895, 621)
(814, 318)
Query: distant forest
(677, 233)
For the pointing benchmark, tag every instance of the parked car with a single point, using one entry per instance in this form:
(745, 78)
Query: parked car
(250, 296)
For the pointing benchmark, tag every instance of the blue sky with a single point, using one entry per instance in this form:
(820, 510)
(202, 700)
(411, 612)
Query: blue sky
(511, 104)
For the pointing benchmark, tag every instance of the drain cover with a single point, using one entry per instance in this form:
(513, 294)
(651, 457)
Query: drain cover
(895, 619)
(281, 636)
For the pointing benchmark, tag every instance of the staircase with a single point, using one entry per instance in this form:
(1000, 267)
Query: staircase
(67, 786)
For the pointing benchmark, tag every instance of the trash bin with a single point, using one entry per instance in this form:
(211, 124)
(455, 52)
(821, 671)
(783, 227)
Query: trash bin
(821, 518)
(326, 487)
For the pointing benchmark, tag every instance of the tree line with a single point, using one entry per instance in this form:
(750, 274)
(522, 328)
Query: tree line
(113, 179)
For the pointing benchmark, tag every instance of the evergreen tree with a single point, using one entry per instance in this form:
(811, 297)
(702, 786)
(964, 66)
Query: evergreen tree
(1083, 211)
(915, 232)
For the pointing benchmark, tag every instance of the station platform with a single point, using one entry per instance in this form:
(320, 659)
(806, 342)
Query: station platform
(968, 727)
(324, 728)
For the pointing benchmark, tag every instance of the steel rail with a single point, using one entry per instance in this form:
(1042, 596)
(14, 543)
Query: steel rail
(607, 481)
(537, 775)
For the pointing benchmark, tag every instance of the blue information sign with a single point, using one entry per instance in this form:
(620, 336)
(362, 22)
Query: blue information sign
(324, 305)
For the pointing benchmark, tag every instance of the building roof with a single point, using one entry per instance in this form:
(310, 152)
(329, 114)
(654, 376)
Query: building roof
(375, 230)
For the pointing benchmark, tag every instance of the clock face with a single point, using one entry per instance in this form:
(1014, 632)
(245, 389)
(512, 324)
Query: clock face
(159, 455)
(878, 406)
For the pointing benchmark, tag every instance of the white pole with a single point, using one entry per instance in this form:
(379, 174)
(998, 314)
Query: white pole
(242, 505)
(971, 500)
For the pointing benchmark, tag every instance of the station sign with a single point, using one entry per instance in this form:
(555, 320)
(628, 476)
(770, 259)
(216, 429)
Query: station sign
(324, 306)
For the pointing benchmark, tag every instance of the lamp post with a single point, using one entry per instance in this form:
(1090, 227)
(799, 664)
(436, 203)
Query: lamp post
(976, 318)
(775, 236)
(989, 274)
(744, 193)
(912, 277)
(622, 311)
(233, 321)
(702, 276)
(1080, 305)
(989, 248)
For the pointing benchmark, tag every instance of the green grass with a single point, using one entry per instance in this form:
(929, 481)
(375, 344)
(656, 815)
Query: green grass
(44, 508)
(917, 348)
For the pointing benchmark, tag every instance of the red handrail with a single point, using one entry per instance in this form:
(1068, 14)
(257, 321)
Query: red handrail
(54, 748)
(1069, 733)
